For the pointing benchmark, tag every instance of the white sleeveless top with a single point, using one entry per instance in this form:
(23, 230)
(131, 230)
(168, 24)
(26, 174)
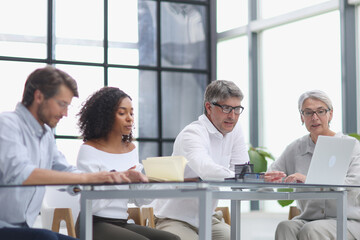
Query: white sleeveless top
(91, 159)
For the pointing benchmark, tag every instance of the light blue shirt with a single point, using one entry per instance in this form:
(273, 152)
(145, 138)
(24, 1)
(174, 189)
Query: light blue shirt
(24, 146)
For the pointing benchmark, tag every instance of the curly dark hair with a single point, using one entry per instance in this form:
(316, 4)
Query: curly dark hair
(97, 114)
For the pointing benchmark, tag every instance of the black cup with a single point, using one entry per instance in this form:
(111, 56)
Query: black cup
(241, 169)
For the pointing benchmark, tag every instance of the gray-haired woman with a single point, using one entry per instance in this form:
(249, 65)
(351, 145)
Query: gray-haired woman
(318, 217)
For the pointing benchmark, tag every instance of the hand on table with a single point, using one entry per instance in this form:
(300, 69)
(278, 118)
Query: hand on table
(295, 178)
(274, 176)
(115, 177)
(278, 176)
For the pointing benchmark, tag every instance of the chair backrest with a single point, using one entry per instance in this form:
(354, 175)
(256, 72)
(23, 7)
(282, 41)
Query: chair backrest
(57, 199)
(226, 214)
(293, 212)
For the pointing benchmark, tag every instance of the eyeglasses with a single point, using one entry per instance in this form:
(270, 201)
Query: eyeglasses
(62, 104)
(309, 113)
(227, 109)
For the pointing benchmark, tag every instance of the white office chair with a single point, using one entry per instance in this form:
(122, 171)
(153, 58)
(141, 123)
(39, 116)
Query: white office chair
(59, 210)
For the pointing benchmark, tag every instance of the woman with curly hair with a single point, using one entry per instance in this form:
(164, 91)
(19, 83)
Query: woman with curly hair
(106, 123)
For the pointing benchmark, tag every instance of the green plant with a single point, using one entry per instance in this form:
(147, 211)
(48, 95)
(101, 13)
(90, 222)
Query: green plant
(258, 156)
(355, 135)
(285, 203)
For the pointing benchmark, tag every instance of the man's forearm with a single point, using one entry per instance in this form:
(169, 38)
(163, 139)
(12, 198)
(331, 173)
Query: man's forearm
(45, 176)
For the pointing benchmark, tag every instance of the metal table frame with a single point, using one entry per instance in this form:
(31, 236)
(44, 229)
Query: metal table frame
(237, 196)
(205, 192)
(199, 190)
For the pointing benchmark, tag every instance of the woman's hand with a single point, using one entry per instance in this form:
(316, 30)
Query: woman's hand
(105, 177)
(274, 176)
(114, 177)
(295, 178)
(135, 176)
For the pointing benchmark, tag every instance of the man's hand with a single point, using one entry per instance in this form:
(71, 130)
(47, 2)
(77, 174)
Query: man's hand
(45, 176)
(105, 177)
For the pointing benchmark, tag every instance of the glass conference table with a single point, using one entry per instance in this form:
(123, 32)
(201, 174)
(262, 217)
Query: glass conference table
(205, 192)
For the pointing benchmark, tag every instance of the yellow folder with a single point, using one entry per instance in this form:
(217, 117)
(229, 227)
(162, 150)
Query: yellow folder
(170, 168)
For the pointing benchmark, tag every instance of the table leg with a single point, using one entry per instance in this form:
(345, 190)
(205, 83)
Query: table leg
(205, 214)
(235, 219)
(86, 224)
(341, 226)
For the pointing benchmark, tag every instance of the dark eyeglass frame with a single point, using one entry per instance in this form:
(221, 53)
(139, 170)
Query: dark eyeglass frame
(316, 111)
(228, 109)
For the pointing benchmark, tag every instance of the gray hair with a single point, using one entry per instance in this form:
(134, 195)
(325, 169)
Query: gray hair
(315, 94)
(221, 90)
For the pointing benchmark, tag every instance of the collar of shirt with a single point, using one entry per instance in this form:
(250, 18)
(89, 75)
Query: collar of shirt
(210, 127)
(29, 119)
(310, 146)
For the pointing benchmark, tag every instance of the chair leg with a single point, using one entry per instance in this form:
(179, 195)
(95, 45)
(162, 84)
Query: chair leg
(148, 217)
(135, 214)
(66, 215)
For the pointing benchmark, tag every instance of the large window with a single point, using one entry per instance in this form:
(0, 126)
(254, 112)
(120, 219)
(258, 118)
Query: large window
(297, 57)
(291, 47)
(273, 8)
(231, 14)
(232, 64)
(156, 51)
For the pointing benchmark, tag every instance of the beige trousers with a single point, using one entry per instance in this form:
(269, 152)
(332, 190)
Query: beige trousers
(309, 230)
(220, 230)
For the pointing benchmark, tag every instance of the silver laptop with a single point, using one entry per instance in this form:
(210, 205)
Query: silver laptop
(330, 161)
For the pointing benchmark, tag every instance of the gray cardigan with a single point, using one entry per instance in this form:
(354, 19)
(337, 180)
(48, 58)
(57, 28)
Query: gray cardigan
(296, 159)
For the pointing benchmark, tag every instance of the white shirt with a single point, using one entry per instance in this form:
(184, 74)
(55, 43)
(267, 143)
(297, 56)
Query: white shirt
(211, 156)
(91, 159)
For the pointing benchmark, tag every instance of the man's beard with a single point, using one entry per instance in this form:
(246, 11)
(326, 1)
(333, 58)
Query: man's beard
(42, 116)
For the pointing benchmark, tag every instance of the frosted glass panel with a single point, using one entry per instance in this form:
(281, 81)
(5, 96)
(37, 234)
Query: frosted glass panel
(183, 35)
(182, 100)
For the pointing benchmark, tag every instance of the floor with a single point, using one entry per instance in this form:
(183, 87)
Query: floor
(254, 225)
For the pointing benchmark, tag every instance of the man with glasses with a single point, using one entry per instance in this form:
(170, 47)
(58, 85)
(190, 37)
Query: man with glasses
(213, 145)
(29, 156)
